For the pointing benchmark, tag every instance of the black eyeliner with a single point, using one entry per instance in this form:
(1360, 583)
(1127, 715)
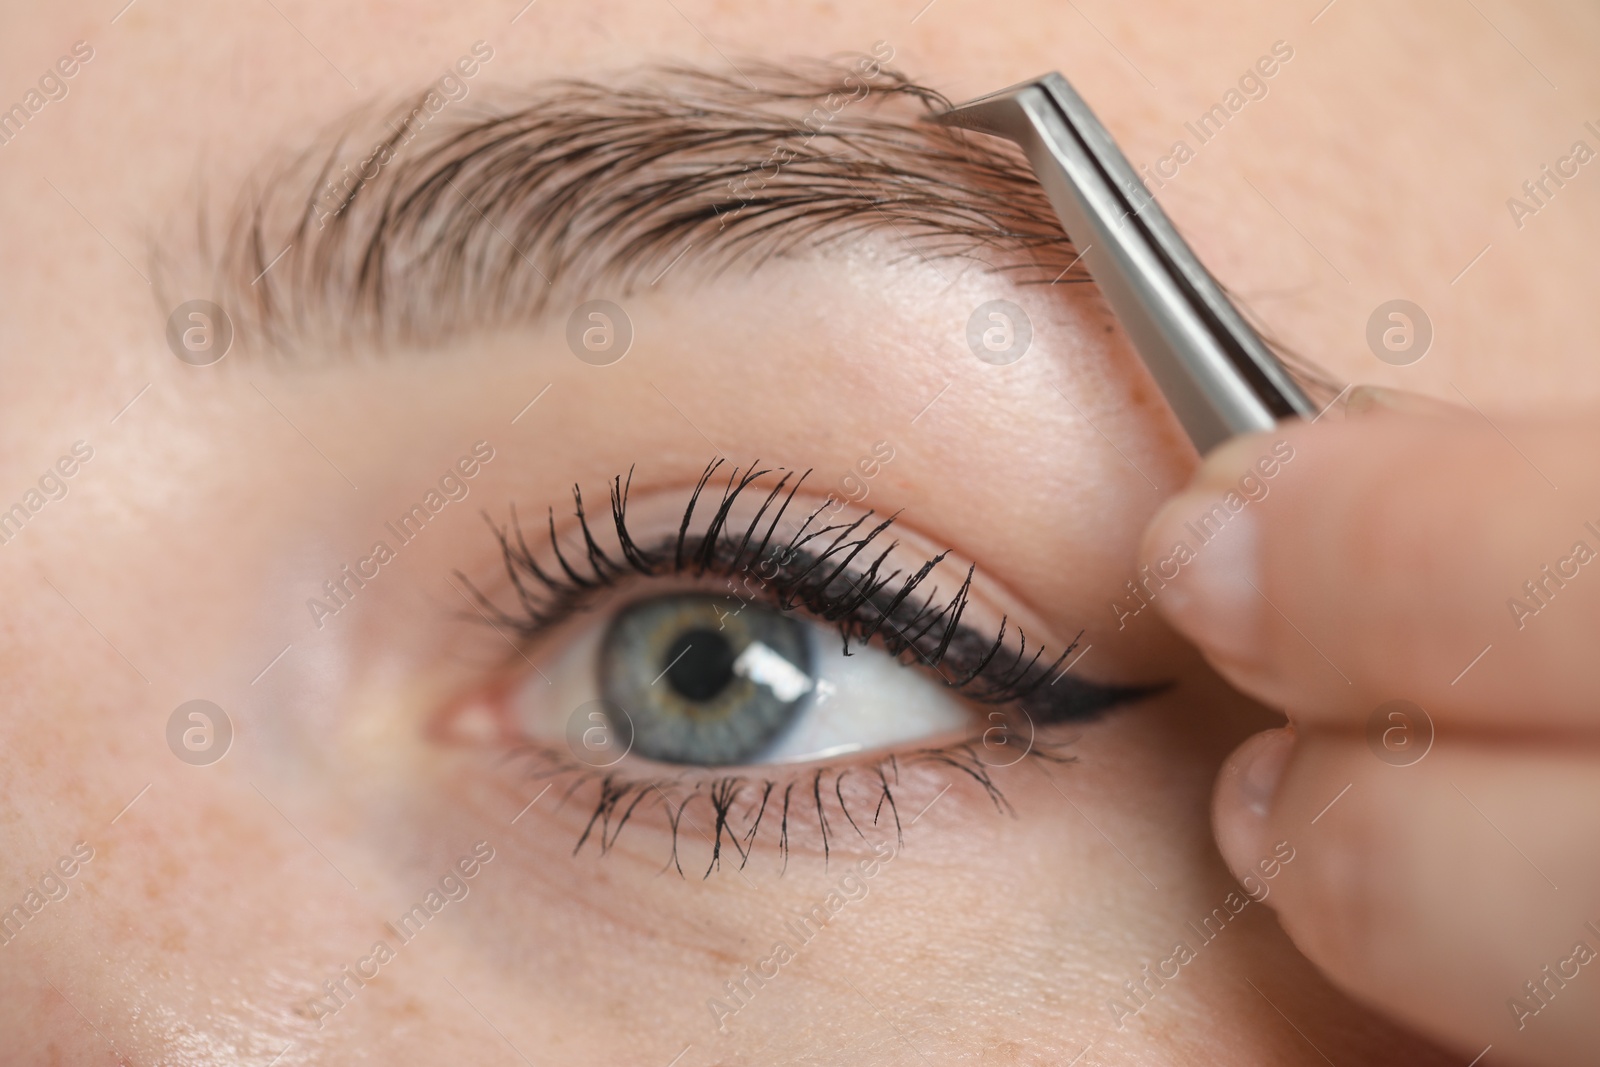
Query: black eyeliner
(815, 570)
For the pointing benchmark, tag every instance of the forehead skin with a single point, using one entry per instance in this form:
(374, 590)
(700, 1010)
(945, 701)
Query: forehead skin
(1378, 166)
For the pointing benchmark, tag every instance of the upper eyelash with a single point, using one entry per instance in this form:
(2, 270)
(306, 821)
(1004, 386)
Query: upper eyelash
(872, 605)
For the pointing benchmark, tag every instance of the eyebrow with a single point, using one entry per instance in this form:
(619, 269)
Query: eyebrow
(444, 217)
(411, 226)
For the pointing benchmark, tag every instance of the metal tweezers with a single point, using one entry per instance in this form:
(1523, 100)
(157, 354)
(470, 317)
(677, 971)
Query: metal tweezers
(1215, 371)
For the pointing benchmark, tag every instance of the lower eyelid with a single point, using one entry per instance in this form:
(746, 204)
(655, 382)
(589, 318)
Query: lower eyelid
(701, 822)
(699, 818)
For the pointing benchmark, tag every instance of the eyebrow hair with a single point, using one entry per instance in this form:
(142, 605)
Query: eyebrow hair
(493, 215)
(452, 218)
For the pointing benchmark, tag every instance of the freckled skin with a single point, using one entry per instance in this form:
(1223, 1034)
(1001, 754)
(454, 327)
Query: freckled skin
(178, 564)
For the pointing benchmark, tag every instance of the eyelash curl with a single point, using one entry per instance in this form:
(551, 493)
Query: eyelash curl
(835, 571)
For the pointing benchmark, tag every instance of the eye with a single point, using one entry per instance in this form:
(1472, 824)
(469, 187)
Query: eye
(776, 632)
(712, 680)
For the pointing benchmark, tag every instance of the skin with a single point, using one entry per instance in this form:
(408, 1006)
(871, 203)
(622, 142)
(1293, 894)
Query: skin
(219, 898)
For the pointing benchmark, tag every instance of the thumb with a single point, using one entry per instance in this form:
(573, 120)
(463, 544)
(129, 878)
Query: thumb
(1326, 569)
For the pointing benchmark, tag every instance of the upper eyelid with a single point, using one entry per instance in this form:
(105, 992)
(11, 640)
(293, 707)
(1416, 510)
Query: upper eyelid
(690, 551)
(879, 607)
(582, 183)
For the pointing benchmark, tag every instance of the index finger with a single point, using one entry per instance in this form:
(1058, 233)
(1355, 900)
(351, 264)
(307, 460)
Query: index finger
(1452, 562)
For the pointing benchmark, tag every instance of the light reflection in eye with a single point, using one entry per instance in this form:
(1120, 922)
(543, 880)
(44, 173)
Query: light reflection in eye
(764, 667)
(703, 686)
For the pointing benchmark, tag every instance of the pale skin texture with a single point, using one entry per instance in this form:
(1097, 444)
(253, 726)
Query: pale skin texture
(178, 565)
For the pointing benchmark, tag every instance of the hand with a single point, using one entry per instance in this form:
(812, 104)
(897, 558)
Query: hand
(1447, 849)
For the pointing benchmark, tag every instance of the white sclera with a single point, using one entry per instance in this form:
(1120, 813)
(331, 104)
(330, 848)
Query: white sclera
(864, 701)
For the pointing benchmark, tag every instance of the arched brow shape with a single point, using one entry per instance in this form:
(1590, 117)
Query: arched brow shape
(408, 226)
(472, 209)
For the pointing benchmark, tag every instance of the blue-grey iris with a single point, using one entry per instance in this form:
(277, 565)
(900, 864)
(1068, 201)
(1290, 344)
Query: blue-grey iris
(705, 680)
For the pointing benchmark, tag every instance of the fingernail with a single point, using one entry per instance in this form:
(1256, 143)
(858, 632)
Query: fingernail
(1202, 549)
(1262, 769)
(1242, 807)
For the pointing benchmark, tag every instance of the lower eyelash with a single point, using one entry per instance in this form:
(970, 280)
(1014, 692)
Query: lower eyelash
(863, 604)
(783, 802)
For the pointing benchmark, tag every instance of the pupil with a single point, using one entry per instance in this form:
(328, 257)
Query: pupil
(701, 664)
